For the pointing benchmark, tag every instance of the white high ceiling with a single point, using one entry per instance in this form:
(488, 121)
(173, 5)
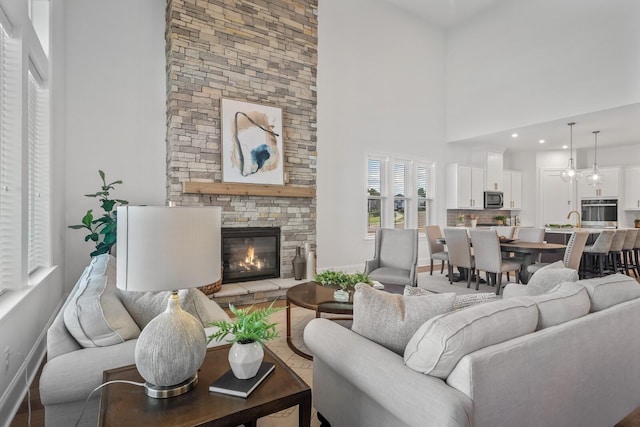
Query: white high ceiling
(618, 126)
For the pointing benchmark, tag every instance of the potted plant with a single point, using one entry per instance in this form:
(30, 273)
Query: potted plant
(248, 332)
(345, 282)
(499, 219)
(474, 220)
(103, 230)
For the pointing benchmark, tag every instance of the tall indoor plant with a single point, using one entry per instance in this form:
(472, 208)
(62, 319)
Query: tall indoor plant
(102, 230)
(248, 332)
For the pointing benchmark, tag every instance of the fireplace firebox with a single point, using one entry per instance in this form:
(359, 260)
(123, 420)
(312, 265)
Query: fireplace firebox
(250, 253)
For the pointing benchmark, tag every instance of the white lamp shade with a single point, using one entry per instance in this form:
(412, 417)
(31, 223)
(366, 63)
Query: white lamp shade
(164, 248)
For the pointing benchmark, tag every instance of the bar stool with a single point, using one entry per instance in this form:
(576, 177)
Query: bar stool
(636, 252)
(615, 251)
(599, 250)
(627, 251)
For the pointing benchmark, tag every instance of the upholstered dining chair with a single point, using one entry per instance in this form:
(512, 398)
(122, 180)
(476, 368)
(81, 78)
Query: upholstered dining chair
(627, 251)
(488, 257)
(572, 254)
(459, 249)
(395, 258)
(598, 251)
(436, 250)
(504, 230)
(615, 251)
(526, 234)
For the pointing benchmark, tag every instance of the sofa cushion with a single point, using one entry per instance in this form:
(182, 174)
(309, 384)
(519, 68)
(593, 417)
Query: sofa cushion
(611, 290)
(442, 341)
(461, 301)
(95, 316)
(389, 319)
(144, 306)
(566, 302)
(549, 276)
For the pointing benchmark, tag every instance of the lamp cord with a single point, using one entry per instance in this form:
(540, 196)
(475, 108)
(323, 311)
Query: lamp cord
(98, 388)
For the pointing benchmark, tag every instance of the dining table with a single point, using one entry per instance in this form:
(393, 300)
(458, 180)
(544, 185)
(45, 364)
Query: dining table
(528, 250)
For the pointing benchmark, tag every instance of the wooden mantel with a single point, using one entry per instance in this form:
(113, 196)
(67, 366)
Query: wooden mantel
(229, 189)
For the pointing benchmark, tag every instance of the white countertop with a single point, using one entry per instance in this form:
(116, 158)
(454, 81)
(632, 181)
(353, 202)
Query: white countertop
(571, 230)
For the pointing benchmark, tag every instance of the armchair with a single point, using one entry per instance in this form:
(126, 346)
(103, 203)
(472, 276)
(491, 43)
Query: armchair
(395, 258)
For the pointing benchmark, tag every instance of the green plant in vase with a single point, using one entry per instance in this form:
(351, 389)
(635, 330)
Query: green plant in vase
(499, 219)
(103, 230)
(249, 330)
(338, 279)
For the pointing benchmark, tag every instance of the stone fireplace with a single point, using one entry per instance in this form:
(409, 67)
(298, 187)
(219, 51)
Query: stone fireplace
(250, 253)
(258, 52)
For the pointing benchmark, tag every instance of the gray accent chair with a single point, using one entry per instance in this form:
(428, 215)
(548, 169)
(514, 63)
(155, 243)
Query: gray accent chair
(599, 251)
(436, 250)
(395, 258)
(572, 254)
(486, 248)
(459, 249)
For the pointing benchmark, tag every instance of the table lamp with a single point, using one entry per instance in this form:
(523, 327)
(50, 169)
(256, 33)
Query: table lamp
(164, 248)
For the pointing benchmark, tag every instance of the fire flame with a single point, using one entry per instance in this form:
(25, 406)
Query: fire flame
(250, 260)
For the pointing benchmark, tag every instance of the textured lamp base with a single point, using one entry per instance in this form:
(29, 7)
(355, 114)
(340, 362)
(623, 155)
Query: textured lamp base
(163, 392)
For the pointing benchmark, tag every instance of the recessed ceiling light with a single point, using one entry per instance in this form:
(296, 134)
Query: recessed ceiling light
(541, 141)
(514, 135)
(565, 146)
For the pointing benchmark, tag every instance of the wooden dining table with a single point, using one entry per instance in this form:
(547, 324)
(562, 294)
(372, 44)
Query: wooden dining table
(528, 250)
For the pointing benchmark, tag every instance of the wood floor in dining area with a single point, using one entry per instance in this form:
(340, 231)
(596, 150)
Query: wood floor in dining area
(37, 410)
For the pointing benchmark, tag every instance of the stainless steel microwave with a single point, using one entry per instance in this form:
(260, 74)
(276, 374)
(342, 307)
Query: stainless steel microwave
(493, 199)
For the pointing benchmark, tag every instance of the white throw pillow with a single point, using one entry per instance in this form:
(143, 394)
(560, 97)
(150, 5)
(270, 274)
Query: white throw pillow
(461, 301)
(610, 290)
(95, 316)
(390, 319)
(440, 343)
(549, 276)
(566, 302)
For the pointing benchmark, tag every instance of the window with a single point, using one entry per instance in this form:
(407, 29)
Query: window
(24, 156)
(411, 184)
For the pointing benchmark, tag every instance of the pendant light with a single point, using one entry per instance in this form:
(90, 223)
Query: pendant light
(595, 178)
(570, 174)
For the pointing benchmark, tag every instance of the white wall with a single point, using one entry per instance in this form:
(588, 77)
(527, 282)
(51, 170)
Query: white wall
(115, 109)
(380, 90)
(527, 62)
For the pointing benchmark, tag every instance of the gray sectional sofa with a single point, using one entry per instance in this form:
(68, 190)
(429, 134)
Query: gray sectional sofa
(568, 357)
(96, 330)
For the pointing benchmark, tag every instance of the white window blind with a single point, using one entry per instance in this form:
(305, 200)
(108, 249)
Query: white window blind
(38, 176)
(376, 192)
(400, 196)
(10, 162)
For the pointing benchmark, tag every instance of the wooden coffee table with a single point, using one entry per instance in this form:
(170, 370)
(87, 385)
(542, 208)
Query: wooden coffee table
(128, 405)
(314, 296)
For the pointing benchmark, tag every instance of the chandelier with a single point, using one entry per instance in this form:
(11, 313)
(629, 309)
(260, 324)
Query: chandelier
(570, 174)
(595, 178)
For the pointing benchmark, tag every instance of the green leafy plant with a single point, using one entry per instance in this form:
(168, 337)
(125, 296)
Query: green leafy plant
(500, 218)
(102, 230)
(250, 325)
(341, 280)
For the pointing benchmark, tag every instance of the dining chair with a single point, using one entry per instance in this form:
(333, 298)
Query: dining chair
(459, 250)
(436, 250)
(615, 251)
(488, 257)
(627, 251)
(527, 234)
(572, 254)
(504, 230)
(395, 257)
(599, 251)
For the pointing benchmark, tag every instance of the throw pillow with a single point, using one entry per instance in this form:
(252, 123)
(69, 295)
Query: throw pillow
(440, 343)
(94, 315)
(549, 276)
(389, 319)
(610, 290)
(461, 301)
(144, 306)
(567, 301)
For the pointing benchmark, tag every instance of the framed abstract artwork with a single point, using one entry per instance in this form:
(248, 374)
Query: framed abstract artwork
(251, 143)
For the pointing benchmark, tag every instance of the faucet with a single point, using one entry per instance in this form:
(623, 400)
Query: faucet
(579, 224)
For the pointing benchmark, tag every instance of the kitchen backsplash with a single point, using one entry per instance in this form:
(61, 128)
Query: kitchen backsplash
(483, 217)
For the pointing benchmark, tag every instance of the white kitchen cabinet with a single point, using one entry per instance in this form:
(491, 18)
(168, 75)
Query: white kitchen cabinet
(632, 188)
(465, 187)
(609, 189)
(494, 172)
(512, 189)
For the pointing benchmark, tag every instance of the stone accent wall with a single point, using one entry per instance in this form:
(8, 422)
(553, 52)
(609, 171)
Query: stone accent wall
(256, 51)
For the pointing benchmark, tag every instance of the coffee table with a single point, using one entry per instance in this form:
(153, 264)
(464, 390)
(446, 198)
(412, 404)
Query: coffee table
(128, 405)
(313, 296)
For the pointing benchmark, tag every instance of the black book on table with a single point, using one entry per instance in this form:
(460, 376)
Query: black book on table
(229, 384)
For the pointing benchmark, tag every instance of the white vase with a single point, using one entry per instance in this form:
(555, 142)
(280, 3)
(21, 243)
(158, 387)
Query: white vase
(311, 265)
(340, 295)
(245, 359)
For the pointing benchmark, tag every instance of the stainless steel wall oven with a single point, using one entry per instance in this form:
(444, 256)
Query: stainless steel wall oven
(600, 213)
